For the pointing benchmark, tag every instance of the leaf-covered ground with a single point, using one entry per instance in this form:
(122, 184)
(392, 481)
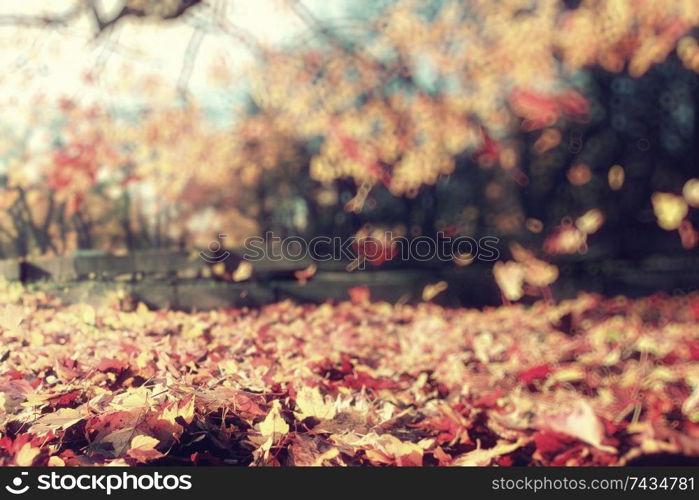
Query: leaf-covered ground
(589, 381)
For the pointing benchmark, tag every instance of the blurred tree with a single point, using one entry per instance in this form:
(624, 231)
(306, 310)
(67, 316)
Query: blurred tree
(540, 120)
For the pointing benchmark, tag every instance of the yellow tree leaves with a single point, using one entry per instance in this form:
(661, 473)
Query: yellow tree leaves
(380, 122)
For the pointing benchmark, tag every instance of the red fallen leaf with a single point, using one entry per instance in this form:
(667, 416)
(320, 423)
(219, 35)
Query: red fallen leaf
(13, 446)
(566, 457)
(363, 379)
(450, 429)
(489, 400)
(694, 307)
(65, 399)
(551, 441)
(693, 350)
(442, 457)
(67, 369)
(15, 374)
(505, 461)
(114, 365)
(535, 373)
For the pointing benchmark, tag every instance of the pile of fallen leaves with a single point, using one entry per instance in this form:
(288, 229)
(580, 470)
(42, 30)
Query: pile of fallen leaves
(589, 381)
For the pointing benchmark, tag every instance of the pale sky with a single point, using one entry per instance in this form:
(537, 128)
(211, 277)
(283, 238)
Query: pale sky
(55, 61)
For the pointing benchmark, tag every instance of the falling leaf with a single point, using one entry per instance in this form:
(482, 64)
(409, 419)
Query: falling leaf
(306, 274)
(669, 209)
(359, 294)
(615, 177)
(243, 272)
(509, 276)
(688, 235)
(566, 239)
(431, 291)
(590, 221)
(690, 191)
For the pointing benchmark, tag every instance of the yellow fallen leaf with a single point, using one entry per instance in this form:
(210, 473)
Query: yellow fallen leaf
(60, 419)
(579, 421)
(311, 403)
(482, 458)
(26, 455)
(388, 449)
(143, 448)
(274, 426)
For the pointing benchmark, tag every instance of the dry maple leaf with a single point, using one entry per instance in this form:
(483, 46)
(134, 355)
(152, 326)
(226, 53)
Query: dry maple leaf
(58, 420)
(482, 458)
(26, 455)
(311, 403)
(143, 448)
(274, 426)
(579, 421)
(11, 316)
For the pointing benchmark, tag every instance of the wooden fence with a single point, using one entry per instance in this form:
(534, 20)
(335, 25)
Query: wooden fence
(177, 280)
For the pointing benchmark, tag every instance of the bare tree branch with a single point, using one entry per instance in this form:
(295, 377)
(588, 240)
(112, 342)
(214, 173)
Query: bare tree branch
(153, 8)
